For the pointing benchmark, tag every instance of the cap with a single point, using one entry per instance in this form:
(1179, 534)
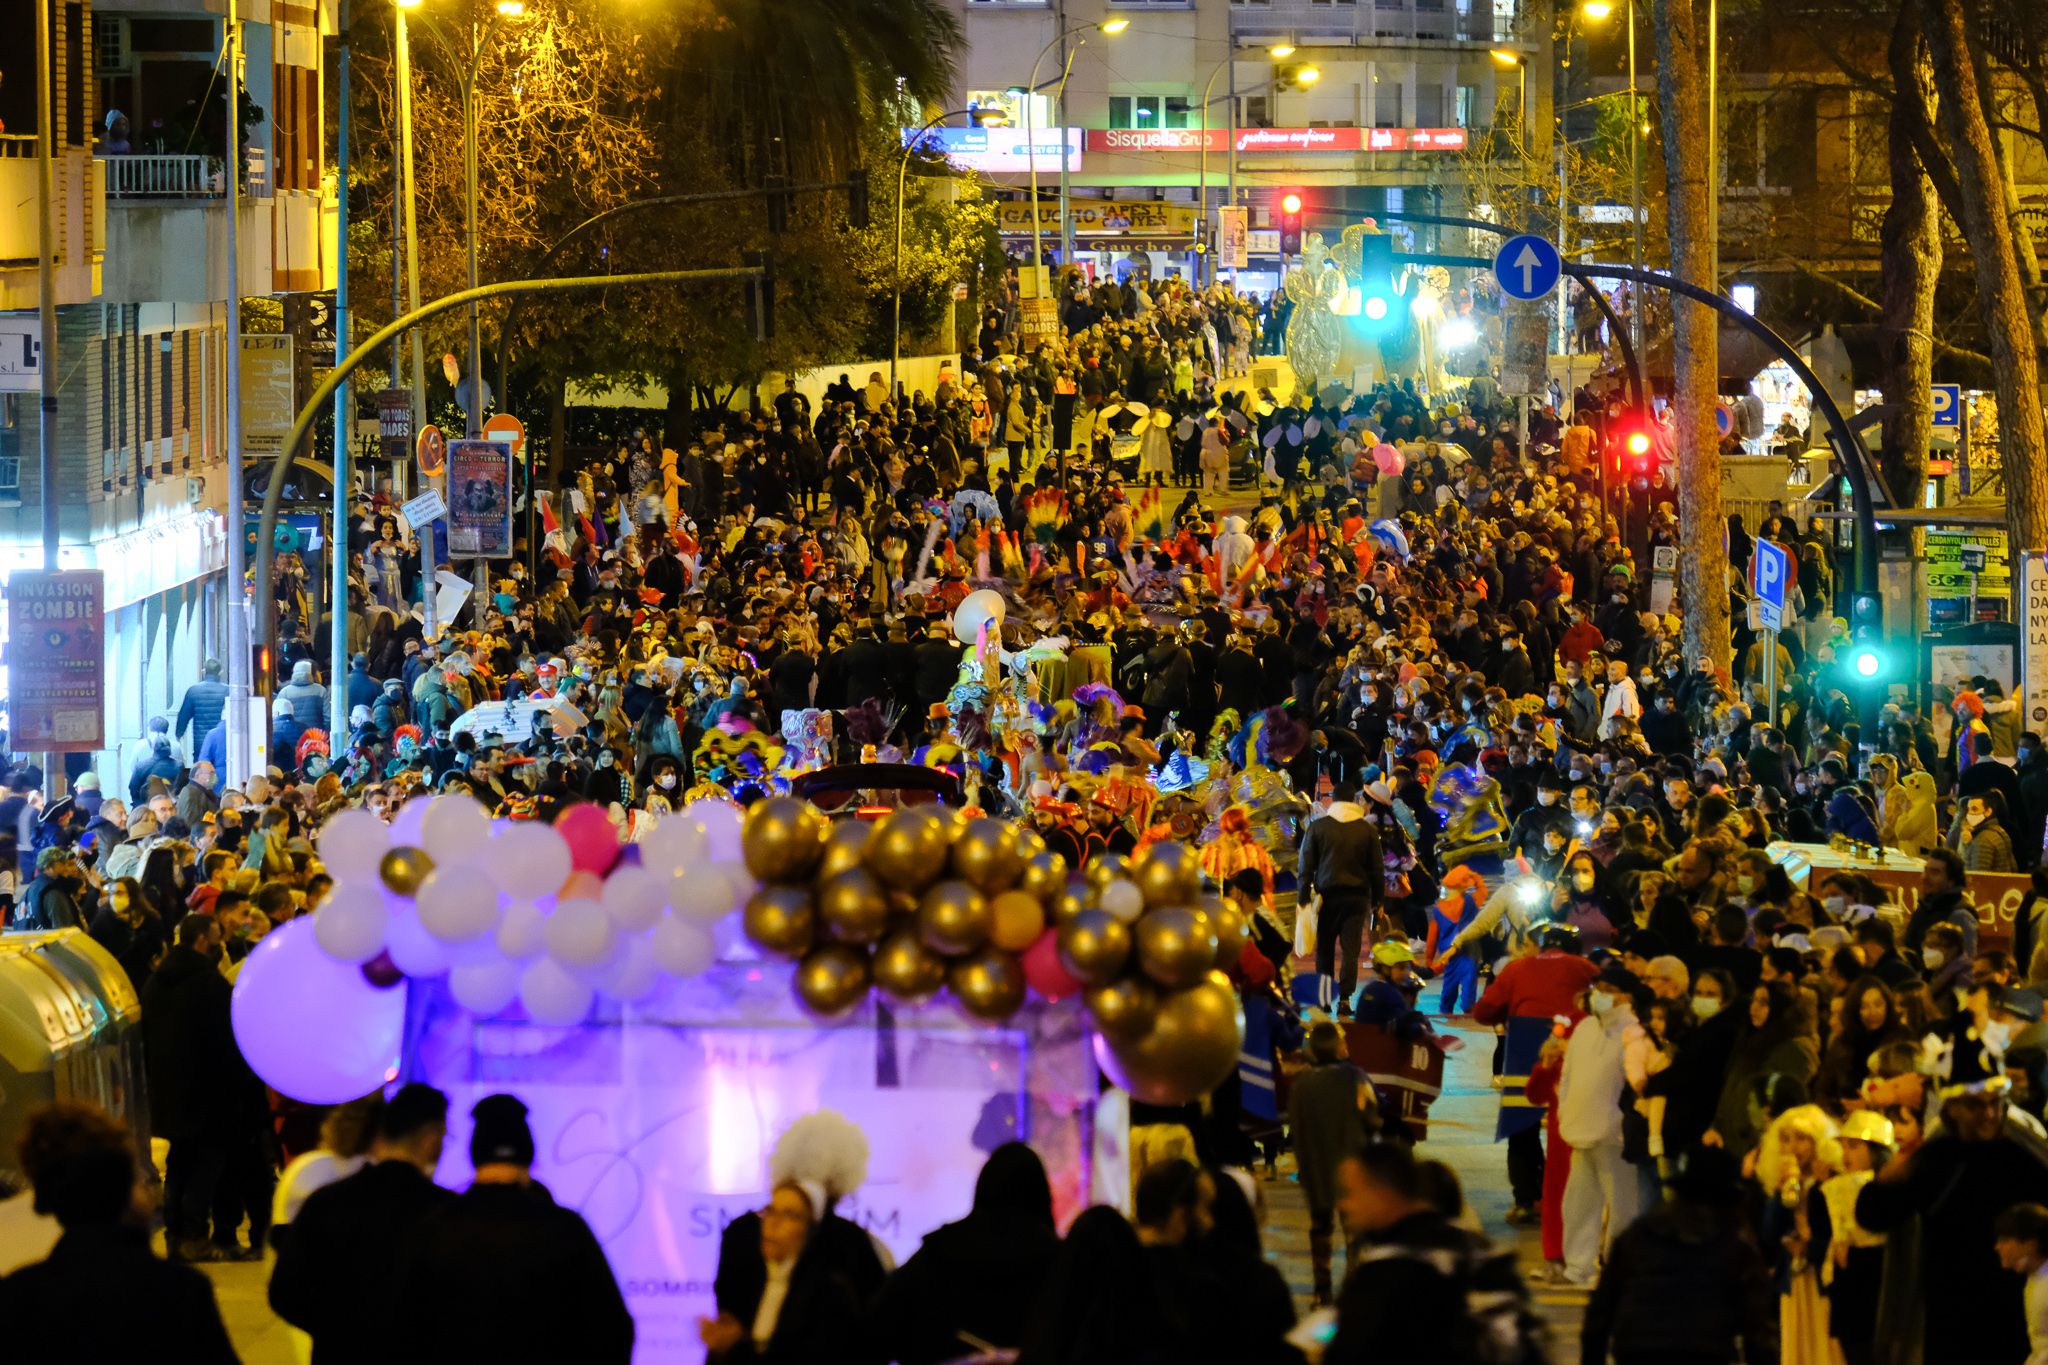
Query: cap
(2023, 1004)
(501, 1135)
(1867, 1125)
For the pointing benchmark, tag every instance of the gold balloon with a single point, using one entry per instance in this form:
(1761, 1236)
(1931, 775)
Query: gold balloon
(1068, 902)
(404, 868)
(1094, 946)
(1191, 1049)
(1232, 933)
(907, 849)
(781, 920)
(1030, 843)
(1176, 946)
(905, 968)
(1016, 919)
(853, 907)
(1044, 875)
(1123, 1010)
(1105, 868)
(953, 918)
(832, 979)
(843, 848)
(985, 853)
(989, 985)
(952, 820)
(1168, 874)
(783, 838)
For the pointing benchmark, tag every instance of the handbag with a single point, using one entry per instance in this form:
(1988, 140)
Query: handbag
(1307, 916)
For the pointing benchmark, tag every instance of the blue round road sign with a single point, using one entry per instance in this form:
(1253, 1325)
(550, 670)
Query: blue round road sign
(1527, 267)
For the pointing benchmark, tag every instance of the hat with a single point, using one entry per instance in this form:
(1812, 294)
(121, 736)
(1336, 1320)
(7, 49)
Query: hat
(1558, 934)
(1867, 1125)
(2013, 1000)
(56, 853)
(1391, 951)
(501, 1135)
(87, 782)
(1620, 978)
(1667, 967)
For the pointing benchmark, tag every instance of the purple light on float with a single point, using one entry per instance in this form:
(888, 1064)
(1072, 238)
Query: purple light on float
(313, 1028)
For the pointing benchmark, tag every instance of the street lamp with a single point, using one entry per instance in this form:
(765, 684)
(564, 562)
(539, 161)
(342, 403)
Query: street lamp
(1278, 52)
(1110, 28)
(480, 36)
(993, 117)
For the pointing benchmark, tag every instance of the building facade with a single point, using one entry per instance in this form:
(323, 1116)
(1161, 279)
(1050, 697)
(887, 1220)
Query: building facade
(1360, 107)
(139, 95)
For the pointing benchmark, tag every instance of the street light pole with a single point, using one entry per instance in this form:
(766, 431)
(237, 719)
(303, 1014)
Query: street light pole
(337, 549)
(902, 171)
(240, 663)
(1107, 26)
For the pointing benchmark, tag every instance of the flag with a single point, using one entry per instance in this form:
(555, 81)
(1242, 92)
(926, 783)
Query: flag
(548, 524)
(1150, 517)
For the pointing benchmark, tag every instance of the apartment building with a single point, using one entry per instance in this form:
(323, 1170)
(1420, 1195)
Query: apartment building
(139, 95)
(1174, 107)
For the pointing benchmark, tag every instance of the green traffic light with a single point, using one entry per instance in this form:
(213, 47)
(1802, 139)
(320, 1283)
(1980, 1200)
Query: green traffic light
(1867, 663)
(1376, 308)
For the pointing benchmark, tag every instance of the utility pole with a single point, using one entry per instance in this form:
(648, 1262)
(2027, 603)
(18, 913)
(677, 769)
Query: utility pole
(429, 561)
(337, 540)
(46, 282)
(240, 663)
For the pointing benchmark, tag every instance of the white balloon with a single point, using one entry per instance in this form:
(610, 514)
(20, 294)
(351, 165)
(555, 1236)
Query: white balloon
(705, 894)
(580, 934)
(406, 826)
(632, 975)
(353, 842)
(456, 905)
(351, 924)
(721, 822)
(521, 930)
(980, 607)
(553, 996)
(676, 844)
(1123, 900)
(484, 988)
(634, 898)
(416, 952)
(455, 828)
(527, 859)
(682, 947)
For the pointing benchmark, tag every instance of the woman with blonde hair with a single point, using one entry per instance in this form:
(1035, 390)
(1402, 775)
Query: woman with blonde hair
(1800, 1152)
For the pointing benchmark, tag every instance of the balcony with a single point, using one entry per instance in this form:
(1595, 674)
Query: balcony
(156, 178)
(1376, 21)
(80, 224)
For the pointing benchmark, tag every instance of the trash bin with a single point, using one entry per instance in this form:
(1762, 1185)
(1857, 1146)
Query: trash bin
(70, 1028)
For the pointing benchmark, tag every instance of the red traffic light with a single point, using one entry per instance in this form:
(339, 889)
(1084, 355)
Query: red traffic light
(1290, 202)
(1638, 443)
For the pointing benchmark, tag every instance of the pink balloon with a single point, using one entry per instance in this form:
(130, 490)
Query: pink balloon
(1389, 459)
(593, 843)
(1044, 971)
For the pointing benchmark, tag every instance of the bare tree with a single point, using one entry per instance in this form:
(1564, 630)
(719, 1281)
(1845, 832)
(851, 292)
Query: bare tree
(1681, 95)
(1910, 258)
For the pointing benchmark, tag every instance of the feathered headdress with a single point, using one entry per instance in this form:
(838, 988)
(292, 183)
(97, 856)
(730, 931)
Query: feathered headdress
(869, 722)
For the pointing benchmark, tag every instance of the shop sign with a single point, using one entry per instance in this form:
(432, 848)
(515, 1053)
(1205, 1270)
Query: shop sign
(1351, 139)
(1096, 217)
(1000, 149)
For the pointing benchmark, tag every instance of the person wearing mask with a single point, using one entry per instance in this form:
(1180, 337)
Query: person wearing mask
(1340, 861)
(340, 1250)
(975, 1281)
(503, 1272)
(101, 1294)
(1979, 835)
(1776, 1040)
(54, 899)
(1331, 1111)
(1602, 1192)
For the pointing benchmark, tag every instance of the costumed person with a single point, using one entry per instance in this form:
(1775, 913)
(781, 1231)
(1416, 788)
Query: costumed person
(1234, 849)
(1852, 1264)
(1801, 1150)
(821, 1157)
(1453, 957)
(1972, 735)
(1388, 996)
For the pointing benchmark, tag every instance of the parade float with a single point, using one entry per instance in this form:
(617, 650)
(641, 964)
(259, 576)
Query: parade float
(666, 1008)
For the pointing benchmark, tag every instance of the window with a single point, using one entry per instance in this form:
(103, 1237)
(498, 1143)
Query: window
(1386, 105)
(1469, 107)
(1258, 112)
(1250, 2)
(1151, 111)
(10, 447)
(1429, 105)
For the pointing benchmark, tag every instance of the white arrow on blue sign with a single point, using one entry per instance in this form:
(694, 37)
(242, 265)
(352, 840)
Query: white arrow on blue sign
(1769, 571)
(1948, 405)
(1527, 267)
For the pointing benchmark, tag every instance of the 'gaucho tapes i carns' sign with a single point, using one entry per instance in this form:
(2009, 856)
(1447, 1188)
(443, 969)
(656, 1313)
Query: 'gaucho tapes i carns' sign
(56, 660)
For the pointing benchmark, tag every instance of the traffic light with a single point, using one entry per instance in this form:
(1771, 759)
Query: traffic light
(1633, 440)
(261, 675)
(1377, 304)
(777, 188)
(1866, 635)
(1290, 224)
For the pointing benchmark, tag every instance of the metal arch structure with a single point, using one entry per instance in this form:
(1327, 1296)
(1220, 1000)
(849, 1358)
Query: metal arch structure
(1841, 435)
(323, 393)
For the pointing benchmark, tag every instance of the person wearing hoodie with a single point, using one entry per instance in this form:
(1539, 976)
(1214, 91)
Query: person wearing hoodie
(1340, 861)
(1602, 1191)
(286, 730)
(389, 710)
(157, 761)
(308, 699)
(1912, 827)
(362, 688)
(1233, 550)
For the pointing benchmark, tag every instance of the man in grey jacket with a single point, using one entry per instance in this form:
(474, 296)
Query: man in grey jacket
(307, 697)
(1340, 860)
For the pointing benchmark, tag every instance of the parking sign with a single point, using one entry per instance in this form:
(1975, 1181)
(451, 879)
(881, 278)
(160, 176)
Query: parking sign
(1769, 571)
(1948, 405)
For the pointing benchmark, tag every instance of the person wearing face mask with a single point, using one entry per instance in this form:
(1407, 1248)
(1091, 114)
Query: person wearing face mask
(1549, 813)
(1946, 967)
(606, 784)
(1528, 994)
(1602, 1195)
(1979, 834)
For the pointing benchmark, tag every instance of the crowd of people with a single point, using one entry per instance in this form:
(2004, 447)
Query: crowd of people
(1386, 654)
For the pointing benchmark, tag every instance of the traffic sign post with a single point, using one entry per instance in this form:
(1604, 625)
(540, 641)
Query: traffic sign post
(1527, 267)
(1948, 405)
(1974, 558)
(1770, 569)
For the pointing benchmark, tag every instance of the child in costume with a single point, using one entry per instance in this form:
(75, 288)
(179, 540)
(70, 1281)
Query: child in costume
(1456, 963)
